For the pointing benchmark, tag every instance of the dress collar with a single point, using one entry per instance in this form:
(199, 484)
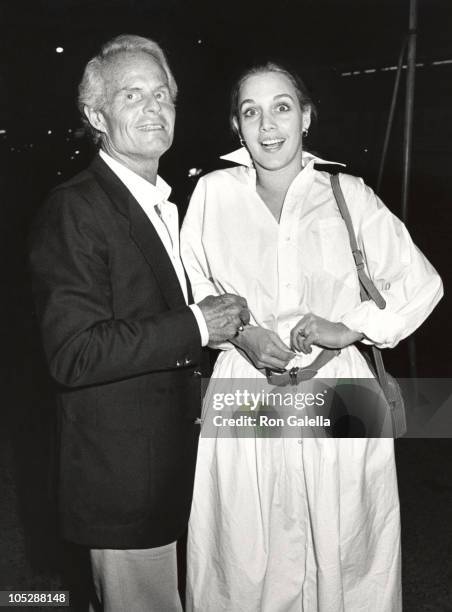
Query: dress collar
(243, 158)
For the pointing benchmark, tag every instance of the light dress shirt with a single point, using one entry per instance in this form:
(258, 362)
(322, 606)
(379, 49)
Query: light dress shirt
(165, 221)
(231, 242)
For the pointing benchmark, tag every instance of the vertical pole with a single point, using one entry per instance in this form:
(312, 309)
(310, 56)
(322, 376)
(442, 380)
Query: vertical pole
(409, 105)
(407, 146)
(395, 92)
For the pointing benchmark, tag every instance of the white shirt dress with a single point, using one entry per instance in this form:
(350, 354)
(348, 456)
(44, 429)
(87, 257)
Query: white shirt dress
(298, 524)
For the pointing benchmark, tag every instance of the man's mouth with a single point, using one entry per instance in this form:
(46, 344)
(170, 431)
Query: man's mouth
(151, 127)
(272, 144)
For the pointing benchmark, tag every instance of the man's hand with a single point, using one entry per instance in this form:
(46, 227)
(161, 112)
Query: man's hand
(224, 315)
(264, 348)
(312, 329)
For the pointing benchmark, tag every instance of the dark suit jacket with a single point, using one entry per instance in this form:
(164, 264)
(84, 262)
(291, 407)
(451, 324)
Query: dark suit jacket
(123, 347)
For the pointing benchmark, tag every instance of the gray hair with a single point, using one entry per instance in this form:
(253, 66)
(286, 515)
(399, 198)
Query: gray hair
(91, 91)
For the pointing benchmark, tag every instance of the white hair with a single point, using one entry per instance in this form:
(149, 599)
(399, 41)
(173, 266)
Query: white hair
(91, 91)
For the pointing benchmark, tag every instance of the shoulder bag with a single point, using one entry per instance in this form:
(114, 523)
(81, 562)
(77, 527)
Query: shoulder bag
(368, 291)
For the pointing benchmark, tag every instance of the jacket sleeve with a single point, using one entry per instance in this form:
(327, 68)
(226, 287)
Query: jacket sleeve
(84, 342)
(407, 281)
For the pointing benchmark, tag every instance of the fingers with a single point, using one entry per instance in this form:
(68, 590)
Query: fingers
(225, 306)
(224, 315)
(281, 350)
(237, 304)
(306, 343)
(298, 333)
(305, 334)
(230, 298)
(245, 316)
(275, 354)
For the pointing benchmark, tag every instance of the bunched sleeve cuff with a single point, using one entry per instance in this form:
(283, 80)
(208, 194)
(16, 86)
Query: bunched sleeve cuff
(380, 327)
(203, 330)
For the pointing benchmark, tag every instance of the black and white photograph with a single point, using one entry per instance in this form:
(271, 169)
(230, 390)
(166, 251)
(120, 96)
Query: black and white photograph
(227, 383)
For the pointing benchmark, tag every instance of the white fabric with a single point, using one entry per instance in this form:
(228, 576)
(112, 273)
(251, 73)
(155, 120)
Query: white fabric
(140, 580)
(285, 525)
(166, 225)
(243, 158)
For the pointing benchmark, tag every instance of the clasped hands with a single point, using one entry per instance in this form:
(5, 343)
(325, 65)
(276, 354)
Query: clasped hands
(265, 349)
(225, 316)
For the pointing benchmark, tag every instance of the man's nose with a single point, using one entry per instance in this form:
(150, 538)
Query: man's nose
(152, 104)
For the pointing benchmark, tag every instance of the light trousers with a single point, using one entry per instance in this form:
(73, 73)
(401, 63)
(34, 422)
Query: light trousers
(140, 580)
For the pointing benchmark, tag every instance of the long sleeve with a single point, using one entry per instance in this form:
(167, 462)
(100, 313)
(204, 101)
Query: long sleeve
(407, 281)
(193, 254)
(85, 340)
(192, 251)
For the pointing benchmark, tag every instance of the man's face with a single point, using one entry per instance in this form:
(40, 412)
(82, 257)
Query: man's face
(138, 118)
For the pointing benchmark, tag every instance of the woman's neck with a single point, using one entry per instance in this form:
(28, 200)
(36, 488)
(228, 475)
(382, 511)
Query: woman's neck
(277, 181)
(272, 186)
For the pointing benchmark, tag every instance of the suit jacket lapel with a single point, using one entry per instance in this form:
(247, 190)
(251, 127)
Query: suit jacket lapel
(142, 233)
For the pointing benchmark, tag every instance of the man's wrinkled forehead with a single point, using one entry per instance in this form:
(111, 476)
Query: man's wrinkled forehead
(127, 65)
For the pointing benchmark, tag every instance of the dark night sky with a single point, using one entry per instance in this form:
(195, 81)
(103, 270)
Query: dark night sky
(320, 38)
(209, 43)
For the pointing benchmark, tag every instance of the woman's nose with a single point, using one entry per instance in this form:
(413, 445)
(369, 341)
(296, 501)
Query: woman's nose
(267, 122)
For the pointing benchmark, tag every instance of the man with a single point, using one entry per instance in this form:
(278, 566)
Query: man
(119, 337)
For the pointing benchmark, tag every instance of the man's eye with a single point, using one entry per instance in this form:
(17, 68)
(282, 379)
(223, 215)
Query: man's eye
(160, 95)
(132, 96)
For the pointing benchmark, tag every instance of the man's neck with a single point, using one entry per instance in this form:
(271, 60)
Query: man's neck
(146, 168)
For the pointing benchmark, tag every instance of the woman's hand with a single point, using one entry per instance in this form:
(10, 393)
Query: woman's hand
(263, 347)
(312, 329)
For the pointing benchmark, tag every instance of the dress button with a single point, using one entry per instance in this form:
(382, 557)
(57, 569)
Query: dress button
(187, 361)
(197, 374)
(178, 364)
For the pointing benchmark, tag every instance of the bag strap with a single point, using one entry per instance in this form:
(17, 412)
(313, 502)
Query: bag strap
(367, 287)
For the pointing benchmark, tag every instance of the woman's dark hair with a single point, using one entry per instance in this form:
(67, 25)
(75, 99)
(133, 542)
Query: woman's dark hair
(303, 95)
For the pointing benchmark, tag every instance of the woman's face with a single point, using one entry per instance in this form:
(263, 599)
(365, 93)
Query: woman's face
(271, 121)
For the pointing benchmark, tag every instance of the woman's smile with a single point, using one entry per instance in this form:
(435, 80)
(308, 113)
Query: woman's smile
(272, 144)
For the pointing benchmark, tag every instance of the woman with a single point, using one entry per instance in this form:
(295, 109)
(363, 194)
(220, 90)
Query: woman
(282, 525)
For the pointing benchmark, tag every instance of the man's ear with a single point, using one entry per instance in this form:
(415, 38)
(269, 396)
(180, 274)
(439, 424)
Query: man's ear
(306, 117)
(96, 119)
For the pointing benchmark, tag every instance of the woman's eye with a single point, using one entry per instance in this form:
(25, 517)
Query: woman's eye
(283, 108)
(250, 112)
(132, 96)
